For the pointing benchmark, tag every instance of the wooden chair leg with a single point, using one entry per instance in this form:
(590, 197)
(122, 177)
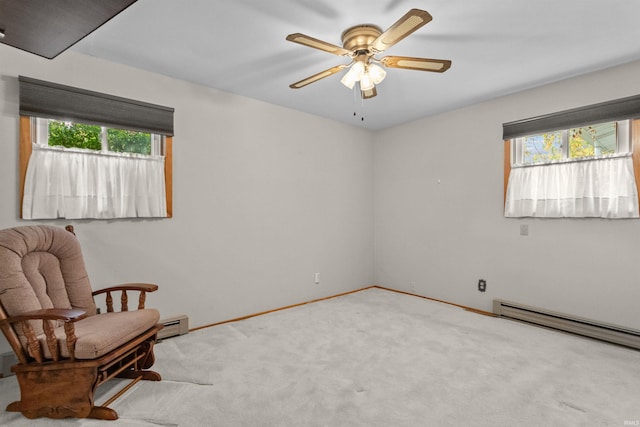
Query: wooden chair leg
(146, 361)
(103, 413)
(56, 393)
(150, 357)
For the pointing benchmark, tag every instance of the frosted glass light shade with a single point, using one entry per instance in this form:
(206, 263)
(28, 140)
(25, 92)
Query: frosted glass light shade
(354, 75)
(376, 73)
(366, 83)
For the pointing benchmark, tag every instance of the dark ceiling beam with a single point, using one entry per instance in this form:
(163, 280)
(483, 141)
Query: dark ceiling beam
(49, 27)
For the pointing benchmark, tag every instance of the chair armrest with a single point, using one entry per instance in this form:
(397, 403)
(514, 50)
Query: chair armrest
(143, 288)
(66, 315)
(146, 287)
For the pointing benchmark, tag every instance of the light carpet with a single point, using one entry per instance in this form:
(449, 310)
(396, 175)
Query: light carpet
(376, 358)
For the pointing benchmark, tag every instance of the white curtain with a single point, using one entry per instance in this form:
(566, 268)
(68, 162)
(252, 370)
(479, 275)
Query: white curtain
(67, 183)
(604, 188)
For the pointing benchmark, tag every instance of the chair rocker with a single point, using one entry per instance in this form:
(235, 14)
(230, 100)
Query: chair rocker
(65, 349)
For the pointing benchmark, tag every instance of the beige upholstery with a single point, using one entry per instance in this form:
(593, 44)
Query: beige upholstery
(42, 267)
(100, 334)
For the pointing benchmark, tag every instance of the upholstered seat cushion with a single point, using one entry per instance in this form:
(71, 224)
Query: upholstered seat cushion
(98, 335)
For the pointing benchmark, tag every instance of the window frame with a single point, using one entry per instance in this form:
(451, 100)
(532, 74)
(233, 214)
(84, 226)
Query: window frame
(27, 137)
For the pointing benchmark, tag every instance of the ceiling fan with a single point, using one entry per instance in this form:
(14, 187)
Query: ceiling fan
(361, 43)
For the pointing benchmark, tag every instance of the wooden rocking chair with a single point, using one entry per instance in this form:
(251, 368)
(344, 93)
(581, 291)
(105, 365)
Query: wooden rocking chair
(64, 348)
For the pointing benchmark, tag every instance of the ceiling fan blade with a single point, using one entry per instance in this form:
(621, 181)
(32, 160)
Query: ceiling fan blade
(404, 26)
(316, 77)
(420, 64)
(370, 93)
(318, 44)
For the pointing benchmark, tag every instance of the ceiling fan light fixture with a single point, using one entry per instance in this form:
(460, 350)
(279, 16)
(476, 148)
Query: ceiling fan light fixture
(354, 75)
(376, 73)
(366, 83)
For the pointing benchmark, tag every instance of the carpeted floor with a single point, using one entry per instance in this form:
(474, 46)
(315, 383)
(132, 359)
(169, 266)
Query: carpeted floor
(376, 358)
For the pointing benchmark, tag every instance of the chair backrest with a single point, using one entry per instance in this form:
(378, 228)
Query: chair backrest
(42, 267)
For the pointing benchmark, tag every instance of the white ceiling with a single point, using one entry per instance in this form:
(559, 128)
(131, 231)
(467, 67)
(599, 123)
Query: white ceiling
(497, 47)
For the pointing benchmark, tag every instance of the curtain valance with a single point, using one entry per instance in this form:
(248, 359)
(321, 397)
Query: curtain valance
(40, 98)
(618, 109)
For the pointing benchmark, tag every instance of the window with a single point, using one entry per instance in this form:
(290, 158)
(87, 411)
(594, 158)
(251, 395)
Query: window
(579, 143)
(85, 154)
(57, 133)
(577, 163)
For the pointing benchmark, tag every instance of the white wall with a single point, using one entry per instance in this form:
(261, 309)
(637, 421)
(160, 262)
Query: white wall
(264, 197)
(439, 222)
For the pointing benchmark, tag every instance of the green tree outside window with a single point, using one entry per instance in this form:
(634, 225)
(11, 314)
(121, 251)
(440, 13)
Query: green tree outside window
(75, 135)
(127, 141)
(78, 135)
(583, 142)
(591, 141)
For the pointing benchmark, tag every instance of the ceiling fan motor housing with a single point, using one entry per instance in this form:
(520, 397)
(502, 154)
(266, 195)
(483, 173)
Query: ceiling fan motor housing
(359, 38)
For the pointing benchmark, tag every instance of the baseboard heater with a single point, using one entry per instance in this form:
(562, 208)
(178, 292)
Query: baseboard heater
(174, 326)
(568, 323)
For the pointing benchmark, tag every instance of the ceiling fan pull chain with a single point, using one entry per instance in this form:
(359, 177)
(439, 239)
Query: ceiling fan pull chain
(361, 103)
(357, 92)
(355, 100)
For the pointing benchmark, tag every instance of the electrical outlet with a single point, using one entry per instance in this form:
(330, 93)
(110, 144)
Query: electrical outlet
(482, 285)
(317, 279)
(524, 229)
(412, 287)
